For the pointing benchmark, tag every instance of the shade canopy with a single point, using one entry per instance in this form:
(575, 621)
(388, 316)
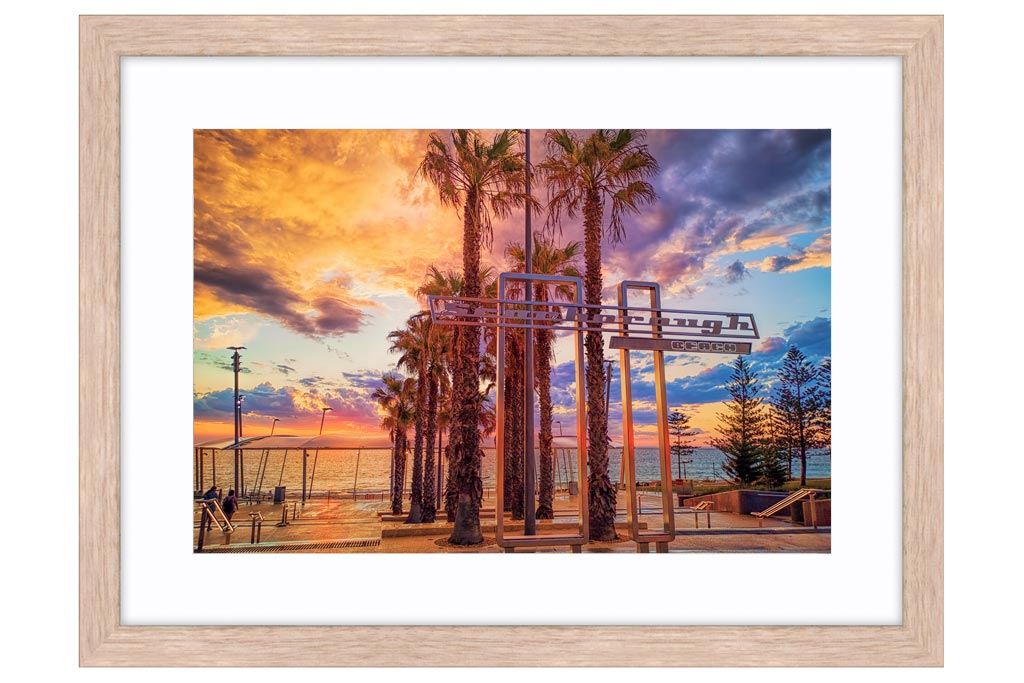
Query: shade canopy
(215, 445)
(339, 442)
(570, 443)
(323, 442)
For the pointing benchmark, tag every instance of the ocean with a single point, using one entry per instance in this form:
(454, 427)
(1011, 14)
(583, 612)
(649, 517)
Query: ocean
(370, 469)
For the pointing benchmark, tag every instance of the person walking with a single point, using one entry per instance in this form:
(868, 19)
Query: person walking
(210, 495)
(230, 505)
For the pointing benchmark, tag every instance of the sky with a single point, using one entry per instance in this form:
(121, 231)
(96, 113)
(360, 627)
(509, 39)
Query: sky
(309, 245)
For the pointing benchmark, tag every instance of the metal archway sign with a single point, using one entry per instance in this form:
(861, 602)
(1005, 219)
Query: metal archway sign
(651, 328)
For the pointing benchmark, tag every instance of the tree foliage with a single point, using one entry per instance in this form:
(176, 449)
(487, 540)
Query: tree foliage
(486, 181)
(608, 169)
(743, 426)
(798, 400)
(682, 446)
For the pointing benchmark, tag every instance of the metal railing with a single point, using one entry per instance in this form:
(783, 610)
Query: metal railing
(209, 509)
(789, 500)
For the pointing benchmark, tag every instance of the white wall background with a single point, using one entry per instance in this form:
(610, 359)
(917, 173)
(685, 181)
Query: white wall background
(38, 186)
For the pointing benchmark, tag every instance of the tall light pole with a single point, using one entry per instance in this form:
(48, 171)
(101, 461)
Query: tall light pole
(274, 424)
(241, 454)
(236, 359)
(316, 454)
(529, 493)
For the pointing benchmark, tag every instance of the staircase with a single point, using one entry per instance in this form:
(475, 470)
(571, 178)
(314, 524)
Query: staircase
(791, 499)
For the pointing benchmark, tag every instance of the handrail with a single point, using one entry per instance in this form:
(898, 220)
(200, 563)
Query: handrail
(789, 500)
(213, 505)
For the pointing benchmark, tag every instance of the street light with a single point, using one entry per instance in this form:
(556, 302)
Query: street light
(236, 359)
(261, 471)
(316, 455)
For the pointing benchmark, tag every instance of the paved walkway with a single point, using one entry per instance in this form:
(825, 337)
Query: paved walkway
(346, 525)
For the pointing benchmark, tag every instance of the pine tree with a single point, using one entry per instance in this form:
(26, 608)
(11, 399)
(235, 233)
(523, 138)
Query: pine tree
(824, 380)
(682, 448)
(799, 402)
(742, 426)
(773, 465)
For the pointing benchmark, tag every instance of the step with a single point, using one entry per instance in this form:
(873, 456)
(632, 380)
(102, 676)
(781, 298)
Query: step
(442, 528)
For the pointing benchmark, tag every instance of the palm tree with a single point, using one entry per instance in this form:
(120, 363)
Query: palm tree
(438, 350)
(395, 398)
(486, 181)
(413, 343)
(448, 283)
(583, 175)
(548, 259)
(514, 423)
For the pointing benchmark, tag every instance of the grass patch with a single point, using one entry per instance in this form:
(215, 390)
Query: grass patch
(825, 484)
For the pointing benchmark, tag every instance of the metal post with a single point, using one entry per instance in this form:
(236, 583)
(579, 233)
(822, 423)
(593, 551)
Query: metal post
(203, 521)
(304, 455)
(240, 488)
(355, 480)
(530, 488)
(316, 455)
(440, 471)
(235, 361)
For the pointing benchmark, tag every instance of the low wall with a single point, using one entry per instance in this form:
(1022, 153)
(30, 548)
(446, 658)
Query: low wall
(741, 501)
(822, 511)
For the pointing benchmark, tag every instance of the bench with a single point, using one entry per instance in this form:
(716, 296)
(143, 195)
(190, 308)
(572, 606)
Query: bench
(703, 506)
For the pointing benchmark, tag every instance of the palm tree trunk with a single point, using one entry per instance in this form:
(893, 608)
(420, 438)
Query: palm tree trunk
(416, 497)
(546, 490)
(451, 490)
(466, 453)
(514, 425)
(398, 484)
(601, 503)
(428, 504)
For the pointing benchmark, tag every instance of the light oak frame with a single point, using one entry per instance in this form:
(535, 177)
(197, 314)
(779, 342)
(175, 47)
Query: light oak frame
(104, 641)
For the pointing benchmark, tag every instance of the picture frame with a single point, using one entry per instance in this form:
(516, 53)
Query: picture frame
(916, 40)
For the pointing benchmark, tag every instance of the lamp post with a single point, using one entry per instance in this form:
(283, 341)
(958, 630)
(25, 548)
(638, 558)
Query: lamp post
(316, 455)
(261, 471)
(236, 359)
(240, 490)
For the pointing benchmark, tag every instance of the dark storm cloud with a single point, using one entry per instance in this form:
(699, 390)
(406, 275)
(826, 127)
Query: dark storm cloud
(218, 362)
(263, 399)
(735, 272)
(363, 380)
(751, 167)
(259, 290)
(813, 338)
(723, 191)
(286, 403)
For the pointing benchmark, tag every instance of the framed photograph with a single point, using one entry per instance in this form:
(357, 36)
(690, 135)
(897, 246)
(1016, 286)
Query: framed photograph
(473, 300)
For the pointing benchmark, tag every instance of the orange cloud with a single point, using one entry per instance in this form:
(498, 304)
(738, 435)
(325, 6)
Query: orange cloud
(301, 226)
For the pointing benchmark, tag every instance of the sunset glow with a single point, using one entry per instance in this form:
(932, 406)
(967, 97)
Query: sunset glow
(310, 244)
